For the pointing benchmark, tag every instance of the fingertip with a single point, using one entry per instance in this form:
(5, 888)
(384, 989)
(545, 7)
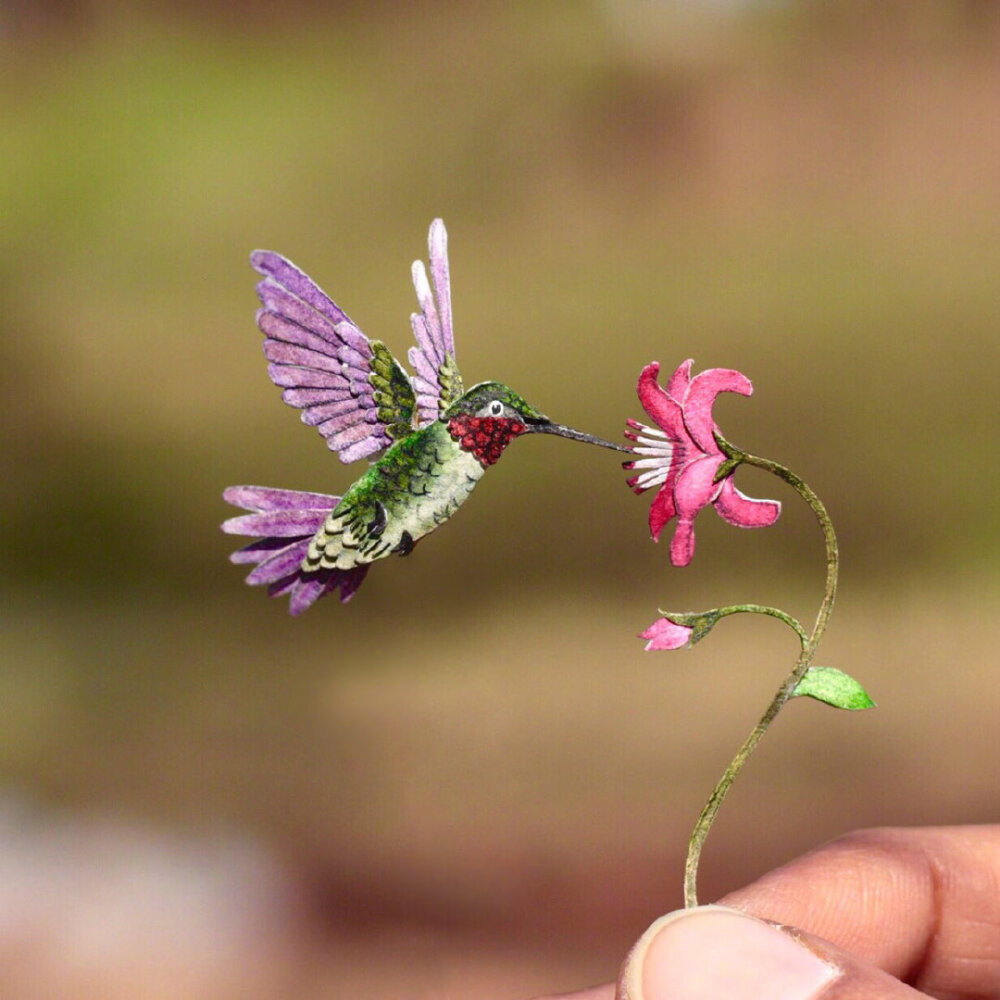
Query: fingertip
(713, 951)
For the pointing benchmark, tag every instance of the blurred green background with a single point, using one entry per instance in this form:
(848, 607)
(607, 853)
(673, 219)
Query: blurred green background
(472, 781)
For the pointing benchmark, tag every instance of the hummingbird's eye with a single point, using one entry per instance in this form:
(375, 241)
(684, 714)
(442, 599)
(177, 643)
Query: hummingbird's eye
(496, 408)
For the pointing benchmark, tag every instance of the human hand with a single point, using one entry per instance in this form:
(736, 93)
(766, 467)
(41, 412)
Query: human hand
(876, 915)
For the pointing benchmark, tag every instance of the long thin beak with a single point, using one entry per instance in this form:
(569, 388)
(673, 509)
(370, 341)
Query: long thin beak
(548, 427)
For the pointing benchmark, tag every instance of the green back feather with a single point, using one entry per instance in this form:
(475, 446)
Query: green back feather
(392, 392)
(450, 381)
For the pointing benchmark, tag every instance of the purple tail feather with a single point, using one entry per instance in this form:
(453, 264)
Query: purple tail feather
(283, 522)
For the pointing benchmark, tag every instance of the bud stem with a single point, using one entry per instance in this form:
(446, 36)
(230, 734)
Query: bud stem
(788, 686)
(763, 609)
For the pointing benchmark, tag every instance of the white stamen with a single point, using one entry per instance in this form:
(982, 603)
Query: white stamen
(652, 478)
(655, 431)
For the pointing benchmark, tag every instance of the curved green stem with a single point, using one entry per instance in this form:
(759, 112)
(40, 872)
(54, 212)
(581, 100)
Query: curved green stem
(808, 649)
(763, 609)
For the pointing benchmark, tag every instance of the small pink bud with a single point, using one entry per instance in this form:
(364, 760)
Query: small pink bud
(665, 634)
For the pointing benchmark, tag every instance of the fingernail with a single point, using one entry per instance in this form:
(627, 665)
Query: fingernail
(713, 952)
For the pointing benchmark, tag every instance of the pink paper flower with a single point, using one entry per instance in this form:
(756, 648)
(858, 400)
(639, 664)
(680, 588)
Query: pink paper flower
(665, 634)
(682, 457)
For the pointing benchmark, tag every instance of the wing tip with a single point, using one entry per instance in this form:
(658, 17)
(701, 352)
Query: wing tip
(437, 234)
(265, 261)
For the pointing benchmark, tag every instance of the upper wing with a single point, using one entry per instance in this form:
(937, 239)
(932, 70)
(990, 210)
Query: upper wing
(348, 387)
(437, 380)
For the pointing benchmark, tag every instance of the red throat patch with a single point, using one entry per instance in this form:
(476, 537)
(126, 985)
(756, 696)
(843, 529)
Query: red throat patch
(485, 437)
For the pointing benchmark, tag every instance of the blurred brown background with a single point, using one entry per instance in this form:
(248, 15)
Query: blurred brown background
(472, 781)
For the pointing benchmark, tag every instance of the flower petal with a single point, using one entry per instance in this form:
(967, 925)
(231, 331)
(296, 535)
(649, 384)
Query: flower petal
(693, 490)
(682, 544)
(677, 387)
(705, 386)
(661, 510)
(744, 511)
(665, 634)
(664, 410)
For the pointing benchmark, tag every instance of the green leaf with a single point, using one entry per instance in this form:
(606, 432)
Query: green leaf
(834, 687)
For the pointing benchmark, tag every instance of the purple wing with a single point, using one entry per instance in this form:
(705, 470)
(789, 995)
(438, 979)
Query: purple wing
(436, 381)
(319, 358)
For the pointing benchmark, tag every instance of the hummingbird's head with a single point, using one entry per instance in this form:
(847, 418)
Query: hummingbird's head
(490, 415)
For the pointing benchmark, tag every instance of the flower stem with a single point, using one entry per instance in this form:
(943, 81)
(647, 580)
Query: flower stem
(763, 609)
(790, 683)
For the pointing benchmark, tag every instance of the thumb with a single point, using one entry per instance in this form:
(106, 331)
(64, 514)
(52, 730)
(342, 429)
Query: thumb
(713, 951)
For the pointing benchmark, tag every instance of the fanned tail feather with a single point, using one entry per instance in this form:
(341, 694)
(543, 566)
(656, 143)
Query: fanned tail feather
(282, 523)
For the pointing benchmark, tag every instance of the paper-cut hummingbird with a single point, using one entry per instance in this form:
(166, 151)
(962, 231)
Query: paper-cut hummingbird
(436, 438)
